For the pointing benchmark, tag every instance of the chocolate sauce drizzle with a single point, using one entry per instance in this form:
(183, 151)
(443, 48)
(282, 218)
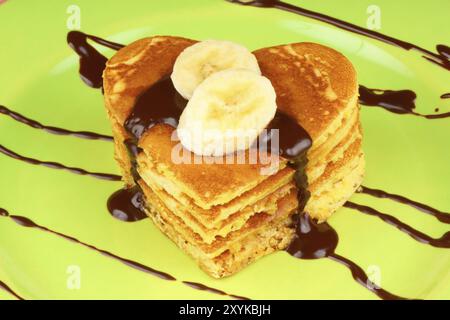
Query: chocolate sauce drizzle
(361, 277)
(400, 102)
(6, 288)
(28, 223)
(92, 62)
(442, 216)
(294, 143)
(202, 287)
(127, 204)
(59, 166)
(442, 242)
(53, 130)
(441, 57)
(160, 103)
(319, 240)
(396, 101)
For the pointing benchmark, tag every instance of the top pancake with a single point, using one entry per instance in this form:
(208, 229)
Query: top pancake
(314, 84)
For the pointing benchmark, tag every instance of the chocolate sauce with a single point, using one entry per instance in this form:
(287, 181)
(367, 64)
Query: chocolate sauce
(127, 204)
(6, 288)
(202, 287)
(59, 166)
(294, 143)
(396, 101)
(439, 215)
(442, 242)
(312, 240)
(440, 58)
(361, 277)
(92, 62)
(436, 116)
(401, 101)
(160, 103)
(319, 240)
(133, 150)
(28, 223)
(53, 130)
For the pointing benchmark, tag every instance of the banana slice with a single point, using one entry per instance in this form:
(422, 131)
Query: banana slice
(202, 59)
(227, 113)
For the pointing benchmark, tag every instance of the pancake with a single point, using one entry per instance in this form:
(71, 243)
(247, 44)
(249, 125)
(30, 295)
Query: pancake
(226, 215)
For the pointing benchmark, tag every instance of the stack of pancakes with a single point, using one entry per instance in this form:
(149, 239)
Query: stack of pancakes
(227, 215)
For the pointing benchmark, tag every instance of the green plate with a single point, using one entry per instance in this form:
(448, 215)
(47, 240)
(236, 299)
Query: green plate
(405, 154)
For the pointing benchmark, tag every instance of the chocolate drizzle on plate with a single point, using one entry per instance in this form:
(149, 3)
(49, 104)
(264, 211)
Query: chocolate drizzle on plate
(127, 204)
(361, 277)
(28, 223)
(53, 130)
(442, 216)
(434, 116)
(59, 166)
(92, 62)
(202, 287)
(396, 101)
(442, 242)
(441, 57)
(6, 288)
(314, 240)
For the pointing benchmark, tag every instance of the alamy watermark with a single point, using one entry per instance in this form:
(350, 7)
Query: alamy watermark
(73, 22)
(73, 281)
(374, 277)
(374, 19)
